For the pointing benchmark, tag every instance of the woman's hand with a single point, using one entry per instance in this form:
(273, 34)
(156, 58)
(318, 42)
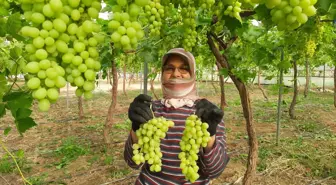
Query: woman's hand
(209, 113)
(139, 111)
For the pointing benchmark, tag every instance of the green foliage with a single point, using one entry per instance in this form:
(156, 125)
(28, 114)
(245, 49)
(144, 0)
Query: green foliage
(11, 26)
(19, 104)
(38, 180)
(120, 173)
(7, 165)
(70, 150)
(325, 6)
(108, 159)
(126, 125)
(97, 127)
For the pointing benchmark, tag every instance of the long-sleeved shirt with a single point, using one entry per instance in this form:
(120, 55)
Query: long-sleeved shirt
(211, 164)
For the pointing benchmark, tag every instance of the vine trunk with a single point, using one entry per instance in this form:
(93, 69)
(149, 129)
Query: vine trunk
(292, 106)
(110, 113)
(247, 110)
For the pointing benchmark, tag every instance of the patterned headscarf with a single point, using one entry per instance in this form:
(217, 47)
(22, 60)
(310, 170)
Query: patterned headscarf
(180, 92)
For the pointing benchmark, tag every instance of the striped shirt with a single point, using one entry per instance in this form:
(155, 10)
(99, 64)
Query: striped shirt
(211, 164)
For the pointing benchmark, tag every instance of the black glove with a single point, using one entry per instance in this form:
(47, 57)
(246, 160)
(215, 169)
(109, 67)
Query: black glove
(139, 111)
(209, 113)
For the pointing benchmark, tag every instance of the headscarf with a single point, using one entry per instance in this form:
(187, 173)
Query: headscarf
(180, 92)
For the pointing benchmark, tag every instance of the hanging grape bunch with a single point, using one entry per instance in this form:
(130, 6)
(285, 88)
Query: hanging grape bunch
(4, 5)
(188, 12)
(194, 136)
(148, 146)
(126, 30)
(173, 17)
(206, 4)
(290, 14)
(154, 13)
(62, 47)
(310, 47)
(218, 9)
(234, 10)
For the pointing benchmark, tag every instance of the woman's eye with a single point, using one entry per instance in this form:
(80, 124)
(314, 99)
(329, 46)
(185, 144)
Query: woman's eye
(185, 68)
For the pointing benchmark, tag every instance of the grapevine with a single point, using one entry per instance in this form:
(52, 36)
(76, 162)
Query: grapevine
(194, 136)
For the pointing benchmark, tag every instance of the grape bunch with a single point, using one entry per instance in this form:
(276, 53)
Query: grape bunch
(189, 24)
(194, 136)
(253, 2)
(234, 10)
(148, 146)
(310, 47)
(126, 30)
(4, 6)
(290, 14)
(206, 4)
(218, 9)
(63, 47)
(154, 12)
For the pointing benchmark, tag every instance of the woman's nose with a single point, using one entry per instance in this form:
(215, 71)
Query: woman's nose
(176, 73)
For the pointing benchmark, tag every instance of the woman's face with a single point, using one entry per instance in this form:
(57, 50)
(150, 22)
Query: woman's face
(175, 67)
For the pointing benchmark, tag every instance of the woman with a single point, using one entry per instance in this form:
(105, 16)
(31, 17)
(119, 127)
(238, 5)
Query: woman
(179, 102)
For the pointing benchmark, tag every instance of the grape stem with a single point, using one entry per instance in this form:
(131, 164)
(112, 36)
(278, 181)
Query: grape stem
(151, 105)
(17, 166)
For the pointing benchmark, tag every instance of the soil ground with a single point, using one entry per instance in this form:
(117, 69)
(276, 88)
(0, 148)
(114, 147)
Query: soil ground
(62, 149)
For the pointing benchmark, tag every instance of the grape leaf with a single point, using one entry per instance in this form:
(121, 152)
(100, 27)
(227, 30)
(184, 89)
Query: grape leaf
(224, 72)
(324, 4)
(14, 23)
(3, 85)
(203, 21)
(2, 30)
(23, 113)
(15, 52)
(24, 124)
(18, 37)
(3, 11)
(262, 11)
(232, 24)
(2, 109)
(16, 100)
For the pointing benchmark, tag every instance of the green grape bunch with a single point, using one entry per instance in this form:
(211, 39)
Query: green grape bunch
(189, 24)
(234, 10)
(62, 47)
(148, 146)
(4, 6)
(125, 27)
(310, 47)
(154, 12)
(206, 4)
(194, 136)
(290, 14)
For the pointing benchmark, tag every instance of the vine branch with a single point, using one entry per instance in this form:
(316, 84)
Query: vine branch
(221, 41)
(17, 165)
(15, 79)
(247, 13)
